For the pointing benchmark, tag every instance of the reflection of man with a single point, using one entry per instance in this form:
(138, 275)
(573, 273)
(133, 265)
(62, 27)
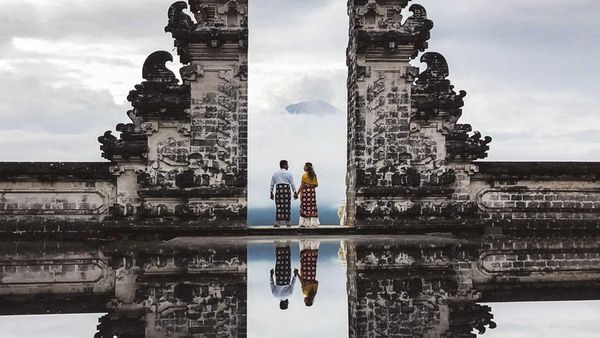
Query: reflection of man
(282, 188)
(283, 287)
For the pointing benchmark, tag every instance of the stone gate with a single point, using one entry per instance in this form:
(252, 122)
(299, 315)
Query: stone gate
(180, 164)
(411, 163)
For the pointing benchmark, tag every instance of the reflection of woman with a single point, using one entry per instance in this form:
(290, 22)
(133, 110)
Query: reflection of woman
(309, 253)
(309, 216)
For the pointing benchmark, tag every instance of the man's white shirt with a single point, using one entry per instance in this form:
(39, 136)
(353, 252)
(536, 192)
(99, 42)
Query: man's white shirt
(283, 176)
(282, 292)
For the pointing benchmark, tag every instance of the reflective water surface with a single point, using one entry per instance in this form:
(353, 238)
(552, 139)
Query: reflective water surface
(400, 286)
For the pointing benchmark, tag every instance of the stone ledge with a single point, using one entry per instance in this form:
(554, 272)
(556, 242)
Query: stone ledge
(204, 192)
(587, 171)
(55, 171)
(395, 192)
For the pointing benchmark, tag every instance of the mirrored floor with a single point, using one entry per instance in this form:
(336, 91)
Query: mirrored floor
(409, 286)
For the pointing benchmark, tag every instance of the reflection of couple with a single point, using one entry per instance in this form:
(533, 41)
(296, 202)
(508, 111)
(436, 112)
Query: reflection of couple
(283, 286)
(282, 189)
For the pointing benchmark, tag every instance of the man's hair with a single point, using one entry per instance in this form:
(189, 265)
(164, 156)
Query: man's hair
(282, 164)
(283, 304)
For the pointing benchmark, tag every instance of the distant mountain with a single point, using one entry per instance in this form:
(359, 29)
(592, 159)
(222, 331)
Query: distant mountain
(317, 107)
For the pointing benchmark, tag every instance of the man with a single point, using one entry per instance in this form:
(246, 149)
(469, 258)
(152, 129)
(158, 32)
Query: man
(283, 287)
(282, 189)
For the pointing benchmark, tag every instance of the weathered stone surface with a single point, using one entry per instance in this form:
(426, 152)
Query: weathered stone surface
(433, 95)
(149, 289)
(537, 195)
(409, 160)
(409, 286)
(71, 192)
(183, 158)
(431, 288)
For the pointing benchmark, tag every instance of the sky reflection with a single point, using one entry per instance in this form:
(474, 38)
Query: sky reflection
(328, 317)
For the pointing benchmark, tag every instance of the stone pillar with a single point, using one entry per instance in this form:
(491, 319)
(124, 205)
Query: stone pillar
(216, 53)
(182, 161)
(402, 134)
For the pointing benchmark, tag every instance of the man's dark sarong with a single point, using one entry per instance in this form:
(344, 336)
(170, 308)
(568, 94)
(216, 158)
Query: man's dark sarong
(283, 202)
(283, 265)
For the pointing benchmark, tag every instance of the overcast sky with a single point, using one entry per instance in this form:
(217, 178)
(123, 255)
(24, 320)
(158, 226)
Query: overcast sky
(529, 68)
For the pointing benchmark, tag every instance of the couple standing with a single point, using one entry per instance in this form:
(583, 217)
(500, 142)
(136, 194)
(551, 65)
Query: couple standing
(282, 190)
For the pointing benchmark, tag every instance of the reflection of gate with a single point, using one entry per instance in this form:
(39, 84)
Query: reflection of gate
(418, 286)
(146, 288)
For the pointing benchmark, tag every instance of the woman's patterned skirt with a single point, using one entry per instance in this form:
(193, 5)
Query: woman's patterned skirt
(308, 201)
(309, 254)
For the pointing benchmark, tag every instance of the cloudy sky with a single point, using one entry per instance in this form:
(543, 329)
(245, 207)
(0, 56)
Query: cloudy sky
(529, 68)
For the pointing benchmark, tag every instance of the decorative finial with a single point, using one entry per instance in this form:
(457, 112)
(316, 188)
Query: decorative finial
(155, 69)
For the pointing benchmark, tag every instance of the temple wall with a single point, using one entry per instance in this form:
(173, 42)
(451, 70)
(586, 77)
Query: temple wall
(431, 288)
(63, 277)
(530, 265)
(187, 288)
(529, 194)
(66, 192)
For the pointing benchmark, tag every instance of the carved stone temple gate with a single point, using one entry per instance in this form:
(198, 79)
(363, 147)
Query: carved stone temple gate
(411, 163)
(181, 163)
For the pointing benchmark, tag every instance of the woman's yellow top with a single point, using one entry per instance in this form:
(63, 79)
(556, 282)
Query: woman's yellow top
(310, 289)
(312, 181)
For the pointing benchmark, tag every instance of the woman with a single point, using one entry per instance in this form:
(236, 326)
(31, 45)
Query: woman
(309, 216)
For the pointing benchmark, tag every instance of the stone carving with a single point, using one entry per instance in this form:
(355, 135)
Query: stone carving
(160, 96)
(127, 147)
(179, 22)
(191, 72)
(466, 316)
(419, 25)
(198, 291)
(174, 152)
(433, 96)
(218, 22)
(381, 25)
(462, 146)
(155, 70)
(205, 13)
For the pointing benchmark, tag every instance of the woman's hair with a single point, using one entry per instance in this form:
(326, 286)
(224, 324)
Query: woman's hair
(310, 170)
